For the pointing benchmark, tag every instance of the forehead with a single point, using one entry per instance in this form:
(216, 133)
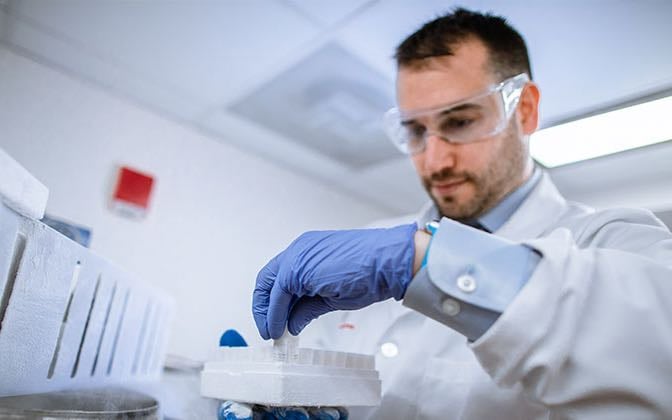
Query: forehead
(446, 79)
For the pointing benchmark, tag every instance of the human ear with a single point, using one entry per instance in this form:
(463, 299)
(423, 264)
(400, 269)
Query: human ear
(528, 108)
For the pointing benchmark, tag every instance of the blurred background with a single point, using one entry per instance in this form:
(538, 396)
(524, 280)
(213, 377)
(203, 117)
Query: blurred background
(260, 119)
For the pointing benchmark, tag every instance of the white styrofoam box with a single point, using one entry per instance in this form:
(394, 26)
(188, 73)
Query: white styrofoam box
(286, 375)
(69, 318)
(20, 190)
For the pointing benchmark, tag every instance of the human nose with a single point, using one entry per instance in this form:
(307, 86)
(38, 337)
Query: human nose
(439, 153)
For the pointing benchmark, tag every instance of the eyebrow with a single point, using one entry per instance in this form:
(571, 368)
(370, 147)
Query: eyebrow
(460, 108)
(448, 111)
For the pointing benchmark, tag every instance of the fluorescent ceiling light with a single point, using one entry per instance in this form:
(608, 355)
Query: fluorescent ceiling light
(623, 129)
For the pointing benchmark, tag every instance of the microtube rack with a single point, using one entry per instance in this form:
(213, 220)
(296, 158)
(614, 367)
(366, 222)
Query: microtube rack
(286, 375)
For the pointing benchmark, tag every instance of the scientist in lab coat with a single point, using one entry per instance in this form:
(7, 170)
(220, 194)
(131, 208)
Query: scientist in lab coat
(545, 308)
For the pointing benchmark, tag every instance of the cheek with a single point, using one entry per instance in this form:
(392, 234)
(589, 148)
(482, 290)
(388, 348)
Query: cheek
(476, 157)
(419, 163)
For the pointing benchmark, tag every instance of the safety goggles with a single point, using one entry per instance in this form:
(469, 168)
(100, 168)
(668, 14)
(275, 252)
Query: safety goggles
(483, 115)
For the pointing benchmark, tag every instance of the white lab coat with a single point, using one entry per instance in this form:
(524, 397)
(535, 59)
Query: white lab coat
(589, 335)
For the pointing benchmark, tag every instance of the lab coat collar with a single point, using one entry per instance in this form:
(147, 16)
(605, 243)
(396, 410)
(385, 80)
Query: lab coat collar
(495, 218)
(540, 209)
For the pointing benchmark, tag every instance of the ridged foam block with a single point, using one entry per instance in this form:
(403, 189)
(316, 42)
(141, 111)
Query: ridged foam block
(20, 190)
(69, 318)
(286, 375)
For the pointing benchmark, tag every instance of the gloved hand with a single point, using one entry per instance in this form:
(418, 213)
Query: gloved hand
(331, 270)
(230, 410)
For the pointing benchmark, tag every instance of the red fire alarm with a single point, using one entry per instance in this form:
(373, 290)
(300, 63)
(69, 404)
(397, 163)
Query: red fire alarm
(132, 193)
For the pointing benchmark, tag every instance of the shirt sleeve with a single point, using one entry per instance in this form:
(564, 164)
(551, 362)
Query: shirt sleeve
(470, 278)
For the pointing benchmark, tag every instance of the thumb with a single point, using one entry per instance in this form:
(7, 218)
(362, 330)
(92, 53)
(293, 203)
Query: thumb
(304, 311)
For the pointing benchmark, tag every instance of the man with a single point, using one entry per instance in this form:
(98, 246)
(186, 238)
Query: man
(544, 307)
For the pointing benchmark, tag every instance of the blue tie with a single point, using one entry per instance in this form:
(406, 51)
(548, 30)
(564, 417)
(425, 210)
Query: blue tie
(476, 224)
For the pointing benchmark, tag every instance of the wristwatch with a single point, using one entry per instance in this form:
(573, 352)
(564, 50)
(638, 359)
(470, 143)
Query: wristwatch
(431, 228)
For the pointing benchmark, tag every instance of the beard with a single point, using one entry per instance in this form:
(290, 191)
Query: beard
(501, 175)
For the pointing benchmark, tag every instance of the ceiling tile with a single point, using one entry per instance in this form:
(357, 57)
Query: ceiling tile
(330, 102)
(56, 52)
(327, 13)
(3, 22)
(200, 48)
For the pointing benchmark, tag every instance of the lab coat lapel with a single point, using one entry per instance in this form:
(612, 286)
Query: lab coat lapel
(537, 214)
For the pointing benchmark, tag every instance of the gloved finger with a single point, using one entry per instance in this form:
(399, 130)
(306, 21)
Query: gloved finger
(304, 311)
(328, 413)
(261, 295)
(278, 310)
(343, 412)
(231, 410)
(232, 338)
(289, 413)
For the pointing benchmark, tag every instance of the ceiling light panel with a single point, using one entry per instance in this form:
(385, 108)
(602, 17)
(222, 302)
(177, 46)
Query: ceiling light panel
(604, 134)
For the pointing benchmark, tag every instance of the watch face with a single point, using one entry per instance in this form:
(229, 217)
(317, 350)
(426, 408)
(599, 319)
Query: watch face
(432, 226)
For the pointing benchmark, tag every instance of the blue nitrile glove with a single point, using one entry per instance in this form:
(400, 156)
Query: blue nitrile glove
(230, 410)
(232, 338)
(331, 270)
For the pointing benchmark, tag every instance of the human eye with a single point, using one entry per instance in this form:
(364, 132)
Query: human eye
(457, 123)
(414, 131)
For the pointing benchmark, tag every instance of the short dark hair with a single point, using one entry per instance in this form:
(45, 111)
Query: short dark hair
(507, 50)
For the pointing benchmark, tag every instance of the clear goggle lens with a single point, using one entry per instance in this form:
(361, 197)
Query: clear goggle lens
(483, 115)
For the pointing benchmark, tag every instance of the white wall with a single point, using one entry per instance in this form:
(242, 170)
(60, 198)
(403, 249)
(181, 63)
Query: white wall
(217, 215)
